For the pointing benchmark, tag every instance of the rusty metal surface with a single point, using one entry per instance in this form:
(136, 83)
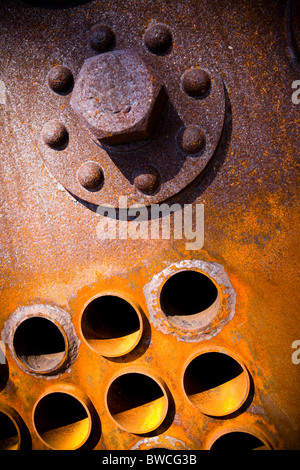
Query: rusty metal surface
(246, 177)
(120, 102)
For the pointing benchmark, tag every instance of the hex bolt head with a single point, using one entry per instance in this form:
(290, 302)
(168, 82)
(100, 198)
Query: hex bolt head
(118, 97)
(192, 139)
(55, 134)
(60, 79)
(158, 39)
(147, 181)
(101, 38)
(196, 82)
(90, 176)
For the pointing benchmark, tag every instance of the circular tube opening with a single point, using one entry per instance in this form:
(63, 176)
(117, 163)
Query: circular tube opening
(62, 421)
(137, 402)
(111, 325)
(189, 299)
(9, 434)
(238, 440)
(39, 344)
(216, 383)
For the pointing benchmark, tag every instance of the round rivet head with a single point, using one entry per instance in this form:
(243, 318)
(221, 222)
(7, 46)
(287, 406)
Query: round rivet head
(147, 181)
(158, 39)
(196, 82)
(90, 176)
(60, 79)
(55, 134)
(101, 38)
(192, 139)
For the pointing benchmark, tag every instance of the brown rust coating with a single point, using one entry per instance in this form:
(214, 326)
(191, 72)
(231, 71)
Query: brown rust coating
(196, 82)
(90, 176)
(158, 39)
(192, 139)
(60, 79)
(101, 38)
(50, 252)
(148, 180)
(55, 134)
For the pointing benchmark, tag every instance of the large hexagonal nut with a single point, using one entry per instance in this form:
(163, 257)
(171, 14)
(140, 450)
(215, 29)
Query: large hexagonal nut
(118, 97)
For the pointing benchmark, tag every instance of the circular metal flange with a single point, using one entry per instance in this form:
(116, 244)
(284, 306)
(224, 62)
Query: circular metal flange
(176, 160)
(72, 417)
(137, 400)
(31, 329)
(200, 326)
(111, 324)
(216, 381)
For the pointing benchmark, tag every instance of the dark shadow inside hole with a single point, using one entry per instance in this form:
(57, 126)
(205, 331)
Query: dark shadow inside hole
(38, 337)
(210, 370)
(130, 391)
(63, 144)
(7, 430)
(237, 441)
(58, 410)
(109, 317)
(187, 293)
